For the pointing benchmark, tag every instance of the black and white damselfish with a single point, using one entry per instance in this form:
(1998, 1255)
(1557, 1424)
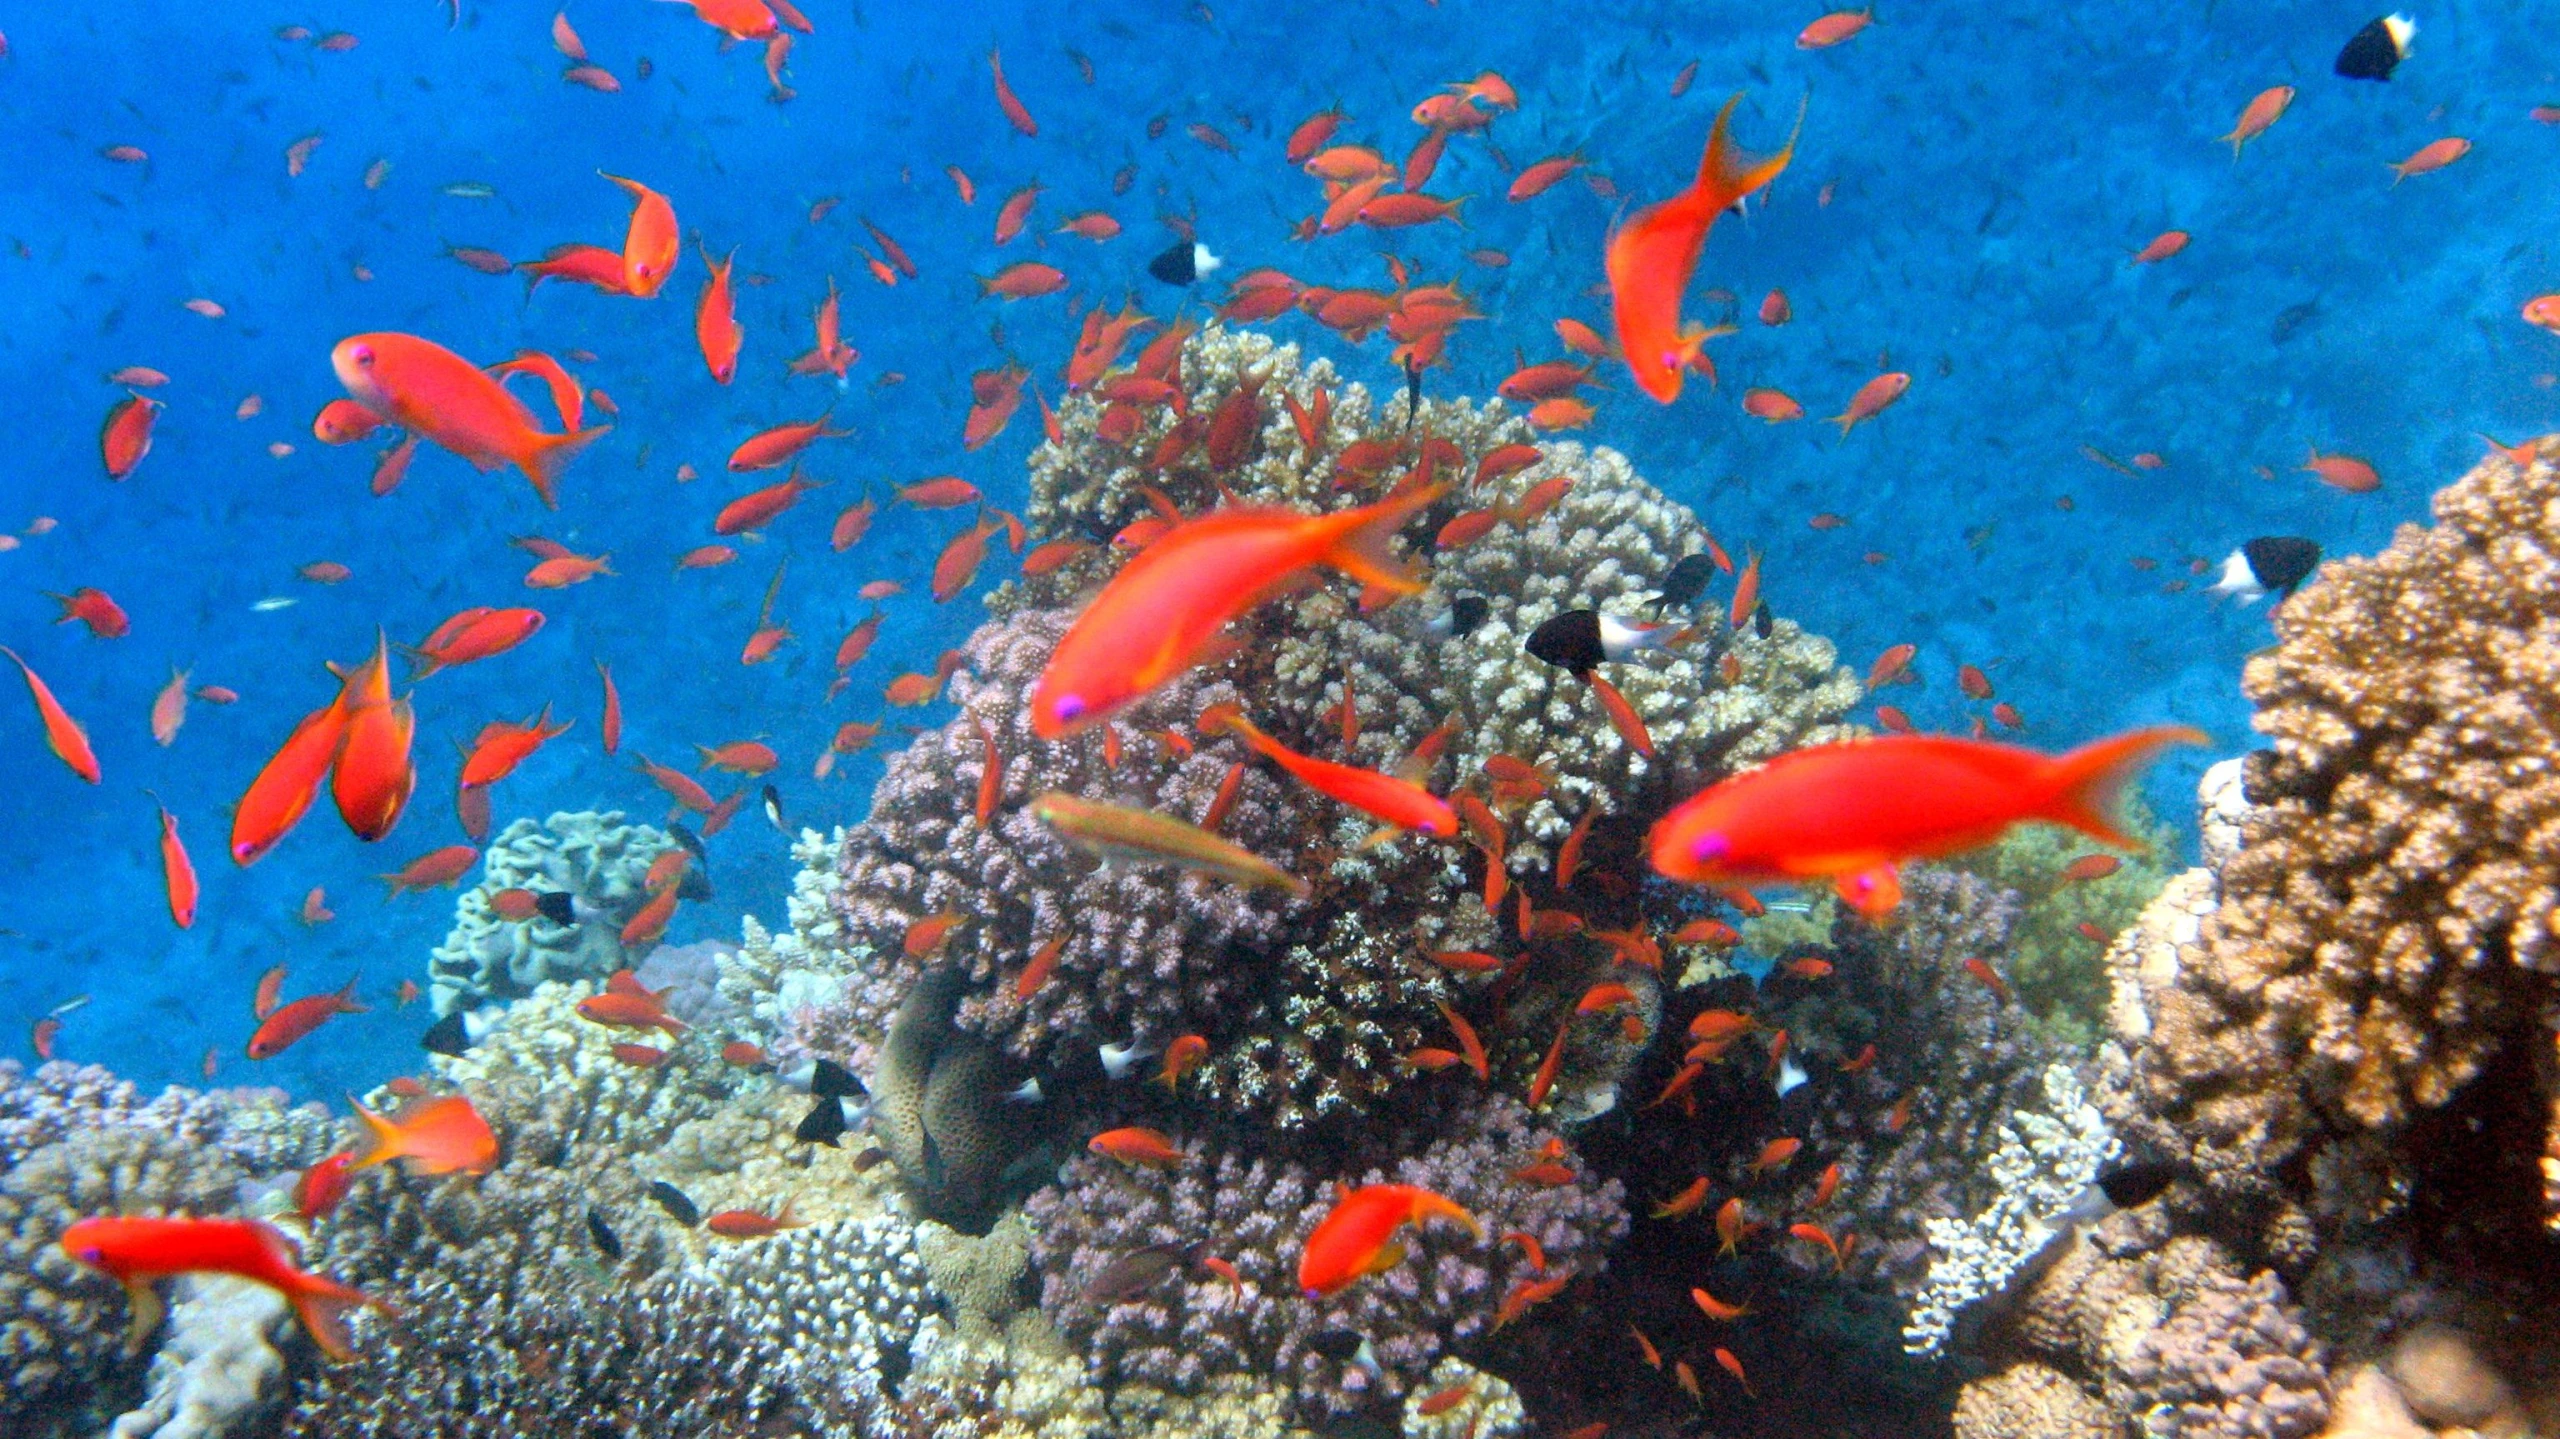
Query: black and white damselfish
(2378, 48)
(2267, 565)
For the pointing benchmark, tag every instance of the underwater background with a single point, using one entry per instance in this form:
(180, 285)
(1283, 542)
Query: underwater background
(1965, 201)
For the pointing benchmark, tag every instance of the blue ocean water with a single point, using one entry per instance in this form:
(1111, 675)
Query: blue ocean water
(1988, 170)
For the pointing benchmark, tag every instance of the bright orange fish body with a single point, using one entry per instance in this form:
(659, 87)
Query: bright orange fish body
(1356, 1238)
(423, 387)
(284, 789)
(62, 734)
(651, 244)
(374, 774)
(1850, 812)
(1651, 257)
(1154, 618)
(139, 1252)
(715, 320)
(435, 1136)
(1383, 797)
(288, 1023)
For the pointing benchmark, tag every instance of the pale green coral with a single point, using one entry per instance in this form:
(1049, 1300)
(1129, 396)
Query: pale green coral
(2057, 971)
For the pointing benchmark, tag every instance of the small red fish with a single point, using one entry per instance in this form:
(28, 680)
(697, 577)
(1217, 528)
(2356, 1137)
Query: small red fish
(295, 1021)
(62, 734)
(1136, 1145)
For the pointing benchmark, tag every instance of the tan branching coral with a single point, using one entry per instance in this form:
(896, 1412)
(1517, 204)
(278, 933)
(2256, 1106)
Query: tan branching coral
(2385, 930)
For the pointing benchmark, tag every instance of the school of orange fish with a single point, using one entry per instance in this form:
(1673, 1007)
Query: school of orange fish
(1840, 815)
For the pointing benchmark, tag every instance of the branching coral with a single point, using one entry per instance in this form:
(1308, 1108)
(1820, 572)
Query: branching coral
(1254, 1210)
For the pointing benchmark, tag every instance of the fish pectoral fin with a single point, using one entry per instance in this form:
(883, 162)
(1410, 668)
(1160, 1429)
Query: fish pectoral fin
(1873, 892)
(147, 1313)
(1389, 1255)
(1379, 836)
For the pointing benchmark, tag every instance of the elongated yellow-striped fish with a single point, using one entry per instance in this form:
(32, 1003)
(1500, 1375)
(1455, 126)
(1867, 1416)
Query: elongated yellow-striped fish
(1143, 836)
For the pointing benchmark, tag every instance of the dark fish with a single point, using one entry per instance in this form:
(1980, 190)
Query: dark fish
(1763, 619)
(868, 1158)
(447, 1037)
(1183, 263)
(1337, 1344)
(1412, 394)
(2134, 1185)
(2290, 320)
(1688, 580)
(824, 1124)
(2378, 48)
(602, 1233)
(696, 885)
(773, 809)
(931, 1161)
(830, 1080)
(1578, 641)
(1459, 620)
(672, 1200)
(558, 906)
(1138, 1271)
(1570, 642)
(2269, 564)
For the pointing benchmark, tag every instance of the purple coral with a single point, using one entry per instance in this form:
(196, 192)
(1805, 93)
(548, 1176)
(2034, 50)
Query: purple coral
(2233, 1362)
(1149, 950)
(1255, 1209)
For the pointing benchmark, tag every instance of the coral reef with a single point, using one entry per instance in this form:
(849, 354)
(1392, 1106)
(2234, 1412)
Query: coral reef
(1254, 1210)
(2047, 1157)
(219, 1371)
(599, 859)
(80, 1142)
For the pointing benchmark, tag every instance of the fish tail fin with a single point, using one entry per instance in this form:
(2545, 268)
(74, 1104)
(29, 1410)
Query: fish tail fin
(383, 1134)
(2085, 782)
(347, 1002)
(1726, 173)
(1428, 1205)
(322, 1306)
(550, 455)
(1364, 547)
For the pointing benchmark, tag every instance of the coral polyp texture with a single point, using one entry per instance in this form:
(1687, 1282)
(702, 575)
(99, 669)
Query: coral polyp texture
(598, 859)
(1255, 1210)
(2383, 936)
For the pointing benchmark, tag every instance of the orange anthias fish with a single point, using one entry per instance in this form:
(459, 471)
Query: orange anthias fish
(288, 1023)
(374, 774)
(1851, 812)
(62, 734)
(284, 789)
(501, 746)
(139, 1252)
(435, 1136)
(715, 319)
(177, 872)
(1383, 797)
(1651, 257)
(1356, 1238)
(1135, 1145)
(1164, 608)
(652, 243)
(423, 387)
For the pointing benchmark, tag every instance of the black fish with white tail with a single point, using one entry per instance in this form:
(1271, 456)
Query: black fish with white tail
(2267, 565)
(2378, 48)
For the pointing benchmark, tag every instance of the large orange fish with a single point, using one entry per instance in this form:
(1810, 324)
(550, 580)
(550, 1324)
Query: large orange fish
(285, 787)
(435, 1136)
(1850, 812)
(1651, 256)
(63, 734)
(1161, 612)
(140, 1252)
(424, 387)
(1356, 1238)
(374, 774)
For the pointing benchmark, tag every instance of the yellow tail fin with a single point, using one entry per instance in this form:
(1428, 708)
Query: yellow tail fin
(1363, 545)
(2085, 782)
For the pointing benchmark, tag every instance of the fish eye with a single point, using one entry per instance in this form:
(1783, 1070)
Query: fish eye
(362, 355)
(93, 1255)
(1709, 847)
(1069, 708)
